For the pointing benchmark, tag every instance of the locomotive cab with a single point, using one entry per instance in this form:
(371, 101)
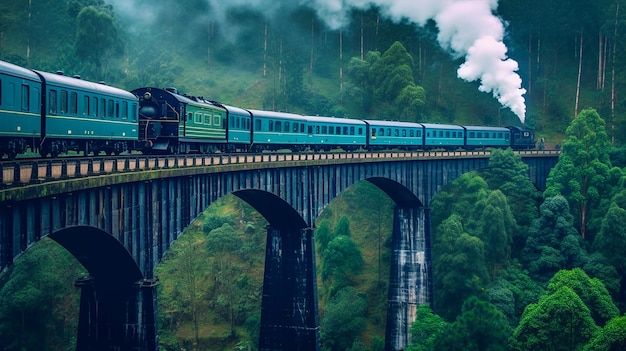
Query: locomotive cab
(159, 116)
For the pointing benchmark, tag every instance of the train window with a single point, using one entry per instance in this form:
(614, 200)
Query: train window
(302, 128)
(110, 108)
(73, 103)
(338, 130)
(295, 127)
(257, 124)
(317, 129)
(360, 131)
(216, 120)
(388, 131)
(125, 110)
(286, 129)
(271, 126)
(93, 107)
(373, 132)
(63, 107)
(324, 130)
(0, 92)
(278, 126)
(85, 109)
(52, 102)
(351, 130)
(25, 97)
(441, 133)
(117, 109)
(310, 130)
(500, 135)
(206, 119)
(197, 118)
(238, 122)
(345, 130)
(471, 135)
(411, 133)
(103, 108)
(419, 133)
(447, 133)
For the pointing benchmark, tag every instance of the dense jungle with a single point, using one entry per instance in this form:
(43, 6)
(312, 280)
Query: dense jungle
(514, 268)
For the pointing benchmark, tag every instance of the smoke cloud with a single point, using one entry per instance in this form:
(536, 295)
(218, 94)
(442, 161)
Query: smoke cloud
(468, 29)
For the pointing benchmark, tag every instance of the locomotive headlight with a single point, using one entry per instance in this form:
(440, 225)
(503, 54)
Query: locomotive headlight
(147, 95)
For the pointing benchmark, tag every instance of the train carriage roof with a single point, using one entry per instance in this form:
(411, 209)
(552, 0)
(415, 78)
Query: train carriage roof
(488, 129)
(379, 123)
(17, 71)
(337, 120)
(84, 85)
(442, 126)
(277, 115)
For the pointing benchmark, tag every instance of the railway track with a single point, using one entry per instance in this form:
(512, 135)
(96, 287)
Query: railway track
(25, 171)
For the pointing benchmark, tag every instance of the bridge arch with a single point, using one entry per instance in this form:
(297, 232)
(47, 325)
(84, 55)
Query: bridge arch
(105, 258)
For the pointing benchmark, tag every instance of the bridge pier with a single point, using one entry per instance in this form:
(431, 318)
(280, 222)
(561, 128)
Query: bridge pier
(289, 319)
(117, 320)
(410, 277)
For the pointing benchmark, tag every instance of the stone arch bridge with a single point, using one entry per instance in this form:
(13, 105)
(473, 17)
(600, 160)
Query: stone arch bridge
(118, 217)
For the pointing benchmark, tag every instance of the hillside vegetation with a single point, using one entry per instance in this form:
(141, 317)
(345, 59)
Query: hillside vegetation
(571, 56)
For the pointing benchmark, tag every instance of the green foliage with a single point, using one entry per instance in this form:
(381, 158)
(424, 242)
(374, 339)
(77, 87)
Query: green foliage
(342, 261)
(386, 84)
(497, 228)
(509, 174)
(559, 321)
(611, 241)
(465, 196)
(466, 254)
(480, 326)
(38, 301)
(612, 337)
(344, 320)
(584, 175)
(591, 291)
(425, 330)
(553, 243)
(97, 37)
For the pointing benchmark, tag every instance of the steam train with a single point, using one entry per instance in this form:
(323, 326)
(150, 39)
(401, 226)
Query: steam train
(54, 113)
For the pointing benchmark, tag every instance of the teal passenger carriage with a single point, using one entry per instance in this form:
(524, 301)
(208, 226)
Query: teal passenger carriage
(86, 116)
(478, 137)
(326, 133)
(20, 109)
(444, 136)
(404, 135)
(278, 130)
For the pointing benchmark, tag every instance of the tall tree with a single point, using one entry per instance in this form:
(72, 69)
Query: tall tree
(584, 175)
(97, 37)
(498, 226)
(553, 243)
(343, 320)
(560, 321)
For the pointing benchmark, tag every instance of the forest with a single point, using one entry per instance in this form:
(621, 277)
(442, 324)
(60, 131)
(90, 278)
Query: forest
(532, 270)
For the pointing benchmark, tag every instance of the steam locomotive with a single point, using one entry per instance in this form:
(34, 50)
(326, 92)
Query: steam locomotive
(54, 113)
